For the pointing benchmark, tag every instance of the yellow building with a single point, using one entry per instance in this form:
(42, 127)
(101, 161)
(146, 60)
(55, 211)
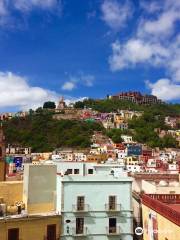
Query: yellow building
(131, 160)
(27, 209)
(30, 228)
(161, 216)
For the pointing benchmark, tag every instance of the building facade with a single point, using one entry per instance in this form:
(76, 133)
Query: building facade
(96, 208)
(161, 216)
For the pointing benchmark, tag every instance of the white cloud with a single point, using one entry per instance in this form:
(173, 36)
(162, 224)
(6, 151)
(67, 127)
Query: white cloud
(68, 86)
(27, 5)
(16, 92)
(165, 89)
(79, 79)
(136, 51)
(164, 15)
(87, 79)
(155, 42)
(7, 19)
(151, 6)
(115, 13)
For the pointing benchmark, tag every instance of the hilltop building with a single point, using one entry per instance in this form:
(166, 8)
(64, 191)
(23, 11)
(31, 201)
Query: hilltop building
(61, 104)
(137, 97)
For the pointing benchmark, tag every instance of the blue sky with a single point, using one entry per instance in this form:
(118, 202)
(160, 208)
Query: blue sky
(91, 48)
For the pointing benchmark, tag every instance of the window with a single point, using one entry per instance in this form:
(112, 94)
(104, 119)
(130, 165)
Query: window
(76, 171)
(80, 203)
(79, 225)
(112, 225)
(112, 202)
(69, 171)
(90, 171)
(13, 234)
(51, 232)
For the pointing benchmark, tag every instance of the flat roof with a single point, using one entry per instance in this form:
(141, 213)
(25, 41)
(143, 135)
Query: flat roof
(96, 178)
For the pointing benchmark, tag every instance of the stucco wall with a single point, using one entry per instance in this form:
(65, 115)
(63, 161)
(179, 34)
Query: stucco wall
(11, 191)
(166, 229)
(30, 229)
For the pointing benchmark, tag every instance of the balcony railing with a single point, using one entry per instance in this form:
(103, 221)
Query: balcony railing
(80, 208)
(113, 231)
(47, 238)
(112, 207)
(80, 232)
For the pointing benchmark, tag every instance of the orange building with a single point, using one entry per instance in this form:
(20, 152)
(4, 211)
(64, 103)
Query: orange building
(161, 216)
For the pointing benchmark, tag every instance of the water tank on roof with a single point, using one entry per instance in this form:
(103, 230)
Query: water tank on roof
(163, 183)
(174, 184)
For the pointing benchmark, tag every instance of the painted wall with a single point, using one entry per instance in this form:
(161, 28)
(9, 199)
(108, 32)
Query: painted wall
(11, 192)
(96, 191)
(39, 190)
(30, 229)
(166, 230)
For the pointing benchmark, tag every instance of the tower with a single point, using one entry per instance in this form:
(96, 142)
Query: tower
(61, 104)
(2, 155)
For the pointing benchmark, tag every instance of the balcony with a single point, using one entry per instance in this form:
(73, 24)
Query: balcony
(79, 232)
(80, 208)
(48, 238)
(112, 207)
(113, 231)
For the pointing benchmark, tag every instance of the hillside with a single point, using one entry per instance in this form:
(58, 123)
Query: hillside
(43, 133)
(112, 105)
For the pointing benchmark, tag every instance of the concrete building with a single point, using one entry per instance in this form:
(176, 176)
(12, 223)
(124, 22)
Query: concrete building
(88, 168)
(96, 208)
(39, 188)
(153, 187)
(27, 209)
(127, 139)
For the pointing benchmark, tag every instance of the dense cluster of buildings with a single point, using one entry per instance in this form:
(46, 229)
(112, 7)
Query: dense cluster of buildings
(122, 191)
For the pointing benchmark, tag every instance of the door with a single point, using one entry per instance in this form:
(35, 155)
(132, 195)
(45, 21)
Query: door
(112, 225)
(51, 232)
(80, 203)
(112, 202)
(13, 234)
(79, 225)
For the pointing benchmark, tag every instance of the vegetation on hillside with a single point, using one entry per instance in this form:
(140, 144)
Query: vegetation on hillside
(112, 105)
(43, 133)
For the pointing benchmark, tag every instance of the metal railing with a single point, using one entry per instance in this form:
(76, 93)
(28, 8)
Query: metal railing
(48, 238)
(79, 232)
(80, 208)
(113, 231)
(112, 207)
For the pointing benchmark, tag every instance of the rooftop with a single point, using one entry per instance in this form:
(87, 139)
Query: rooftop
(96, 178)
(167, 205)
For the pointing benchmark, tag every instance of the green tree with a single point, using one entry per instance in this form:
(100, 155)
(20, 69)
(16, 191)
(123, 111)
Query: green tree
(49, 105)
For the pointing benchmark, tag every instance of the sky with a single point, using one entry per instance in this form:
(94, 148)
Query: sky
(87, 48)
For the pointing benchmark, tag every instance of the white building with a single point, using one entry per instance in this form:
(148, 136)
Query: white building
(127, 138)
(88, 168)
(96, 208)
